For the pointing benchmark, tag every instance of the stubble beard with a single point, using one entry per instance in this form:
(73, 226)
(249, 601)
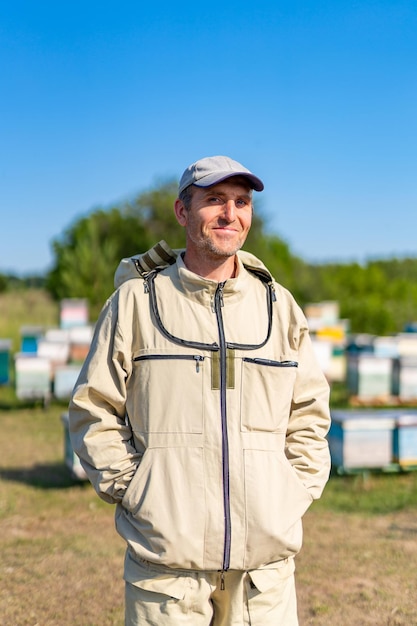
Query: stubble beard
(213, 251)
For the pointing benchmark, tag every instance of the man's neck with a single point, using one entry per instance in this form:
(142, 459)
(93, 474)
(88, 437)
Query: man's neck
(217, 271)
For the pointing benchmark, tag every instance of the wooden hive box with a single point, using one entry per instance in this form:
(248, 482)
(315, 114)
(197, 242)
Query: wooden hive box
(405, 439)
(361, 439)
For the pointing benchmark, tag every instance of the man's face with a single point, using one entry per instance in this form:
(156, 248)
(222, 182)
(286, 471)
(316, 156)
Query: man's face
(218, 220)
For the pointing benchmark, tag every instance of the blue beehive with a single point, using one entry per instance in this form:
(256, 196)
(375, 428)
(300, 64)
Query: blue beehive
(30, 336)
(405, 439)
(5, 347)
(361, 439)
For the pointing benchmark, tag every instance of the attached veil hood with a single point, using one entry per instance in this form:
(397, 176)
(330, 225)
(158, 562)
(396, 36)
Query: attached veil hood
(161, 255)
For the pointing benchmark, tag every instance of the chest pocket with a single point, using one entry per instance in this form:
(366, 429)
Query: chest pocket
(168, 392)
(266, 394)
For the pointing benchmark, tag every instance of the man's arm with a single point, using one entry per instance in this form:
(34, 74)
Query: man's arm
(306, 444)
(99, 430)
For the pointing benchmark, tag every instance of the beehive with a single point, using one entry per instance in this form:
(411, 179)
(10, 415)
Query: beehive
(405, 439)
(370, 376)
(64, 380)
(33, 377)
(361, 439)
(5, 347)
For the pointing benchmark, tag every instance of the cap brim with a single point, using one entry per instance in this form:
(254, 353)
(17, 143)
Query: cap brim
(218, 177)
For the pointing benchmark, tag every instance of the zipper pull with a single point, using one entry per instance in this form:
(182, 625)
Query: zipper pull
(222, 585)
(273, 294)
(146, 276)
(197, 359)
(220, 292)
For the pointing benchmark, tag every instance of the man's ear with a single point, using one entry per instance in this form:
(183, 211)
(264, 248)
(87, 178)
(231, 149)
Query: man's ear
(181, 212)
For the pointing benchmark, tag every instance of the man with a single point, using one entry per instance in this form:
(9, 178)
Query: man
(202, 413)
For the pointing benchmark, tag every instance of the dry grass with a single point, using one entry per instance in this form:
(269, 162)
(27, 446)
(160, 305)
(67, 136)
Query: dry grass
(356, 570)
(62, 561)
(61, 558)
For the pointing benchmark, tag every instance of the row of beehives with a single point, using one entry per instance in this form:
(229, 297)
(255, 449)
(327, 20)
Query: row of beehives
(55, 358)
(371, 373)
(49, 360)
(385, 364)
(49, 363)
(373, 439)
(382, 378)
(375, 368)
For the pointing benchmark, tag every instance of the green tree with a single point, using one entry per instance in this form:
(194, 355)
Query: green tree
(89, 251)
(153, 209)
(3, 283)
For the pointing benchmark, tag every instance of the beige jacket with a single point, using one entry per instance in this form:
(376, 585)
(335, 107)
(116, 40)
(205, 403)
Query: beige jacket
(202, 413)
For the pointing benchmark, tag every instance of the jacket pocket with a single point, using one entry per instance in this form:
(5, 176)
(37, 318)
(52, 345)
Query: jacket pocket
(275, 501)
(168, 391)
(271, 577)
(267, 390)
(166, 510)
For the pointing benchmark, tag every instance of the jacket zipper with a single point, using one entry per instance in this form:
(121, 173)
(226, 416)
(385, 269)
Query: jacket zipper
(173, 357)
(270, 362)
(218, 304)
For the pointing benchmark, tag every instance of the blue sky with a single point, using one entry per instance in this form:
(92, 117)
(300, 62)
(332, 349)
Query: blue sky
(101, 100)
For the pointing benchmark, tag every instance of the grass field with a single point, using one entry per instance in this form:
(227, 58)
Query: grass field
(61, 559)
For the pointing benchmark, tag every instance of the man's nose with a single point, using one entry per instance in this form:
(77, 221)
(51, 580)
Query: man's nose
(229, 209)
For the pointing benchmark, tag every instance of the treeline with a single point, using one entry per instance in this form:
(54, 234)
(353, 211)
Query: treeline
(10, 282)
(377, 297)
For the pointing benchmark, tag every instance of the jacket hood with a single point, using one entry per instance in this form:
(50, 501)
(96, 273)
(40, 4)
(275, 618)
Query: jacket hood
(161, 255)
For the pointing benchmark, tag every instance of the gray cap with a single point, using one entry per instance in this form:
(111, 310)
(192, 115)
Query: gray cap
(212, 170)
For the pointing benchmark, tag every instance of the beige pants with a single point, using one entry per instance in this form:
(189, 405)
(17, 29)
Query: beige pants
(158, 596)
